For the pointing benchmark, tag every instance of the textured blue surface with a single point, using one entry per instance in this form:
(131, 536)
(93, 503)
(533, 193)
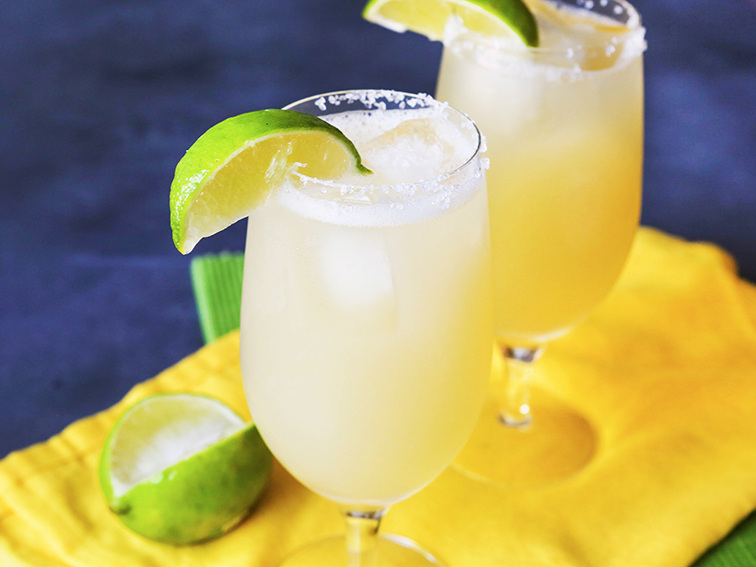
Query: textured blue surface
(99, 100)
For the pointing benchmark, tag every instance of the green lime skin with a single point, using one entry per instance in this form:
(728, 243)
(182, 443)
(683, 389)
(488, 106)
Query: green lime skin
(199, 498)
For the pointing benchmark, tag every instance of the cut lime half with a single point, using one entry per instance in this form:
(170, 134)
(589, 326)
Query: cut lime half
(182, 468)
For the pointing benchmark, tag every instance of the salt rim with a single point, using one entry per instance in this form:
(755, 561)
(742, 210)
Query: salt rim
(441, 193)
(513, 56)
(370, 98)
(377, 99)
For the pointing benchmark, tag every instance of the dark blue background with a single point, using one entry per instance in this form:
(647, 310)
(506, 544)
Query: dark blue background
(99, 100)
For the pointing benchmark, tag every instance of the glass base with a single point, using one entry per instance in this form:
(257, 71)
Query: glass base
(556, 444)
(390, 551)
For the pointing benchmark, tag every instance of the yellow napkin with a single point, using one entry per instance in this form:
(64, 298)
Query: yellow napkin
(665, 370)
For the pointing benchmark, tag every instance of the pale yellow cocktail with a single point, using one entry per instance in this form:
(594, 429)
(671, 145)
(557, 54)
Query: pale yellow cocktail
(564, 127)
(565, 139)
(366, 317)
(366, 320)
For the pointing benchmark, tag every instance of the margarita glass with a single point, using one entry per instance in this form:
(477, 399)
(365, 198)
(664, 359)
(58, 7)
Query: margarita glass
(564, 127)
(366, 321)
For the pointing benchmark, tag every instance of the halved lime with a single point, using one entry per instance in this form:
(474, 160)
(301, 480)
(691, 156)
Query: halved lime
(233, 166)
(182, 468)
(429, 17)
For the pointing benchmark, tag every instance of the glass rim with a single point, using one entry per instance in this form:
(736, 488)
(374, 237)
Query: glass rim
(392, 96)
(633, 25)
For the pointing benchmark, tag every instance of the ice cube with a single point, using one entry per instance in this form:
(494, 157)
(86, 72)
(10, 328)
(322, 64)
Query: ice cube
(356, 274)
(415, 150)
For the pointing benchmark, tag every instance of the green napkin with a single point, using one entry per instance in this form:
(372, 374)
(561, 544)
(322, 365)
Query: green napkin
(217, 280)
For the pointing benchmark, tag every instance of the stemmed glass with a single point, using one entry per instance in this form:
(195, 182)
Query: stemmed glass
(366, 320)
(564, 126)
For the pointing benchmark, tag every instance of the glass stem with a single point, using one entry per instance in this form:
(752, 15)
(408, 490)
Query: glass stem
(520, 363)
(362, 535)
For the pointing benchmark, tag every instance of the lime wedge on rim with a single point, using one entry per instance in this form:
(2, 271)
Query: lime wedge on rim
(429, 17)
(233, 166)
(182, 468)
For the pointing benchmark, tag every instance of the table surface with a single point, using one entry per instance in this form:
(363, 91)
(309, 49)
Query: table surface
(101, 99)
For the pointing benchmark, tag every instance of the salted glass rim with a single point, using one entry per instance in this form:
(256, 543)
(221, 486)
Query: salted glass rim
(456, 32)
(378, 98)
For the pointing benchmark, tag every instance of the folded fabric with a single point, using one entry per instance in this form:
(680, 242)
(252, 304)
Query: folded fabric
(665, 370)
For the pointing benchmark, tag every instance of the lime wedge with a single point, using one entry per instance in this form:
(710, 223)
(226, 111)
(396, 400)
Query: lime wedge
(182, 468)
(429, 17)
(233, 166)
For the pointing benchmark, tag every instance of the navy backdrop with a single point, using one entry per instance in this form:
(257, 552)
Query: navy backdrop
(100, 98)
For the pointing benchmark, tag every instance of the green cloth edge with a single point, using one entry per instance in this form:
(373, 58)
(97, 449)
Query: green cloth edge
(737, 549)
(217, 285)
(217, 281)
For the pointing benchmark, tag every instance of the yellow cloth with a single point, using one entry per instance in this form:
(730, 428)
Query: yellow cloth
(665, 370)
